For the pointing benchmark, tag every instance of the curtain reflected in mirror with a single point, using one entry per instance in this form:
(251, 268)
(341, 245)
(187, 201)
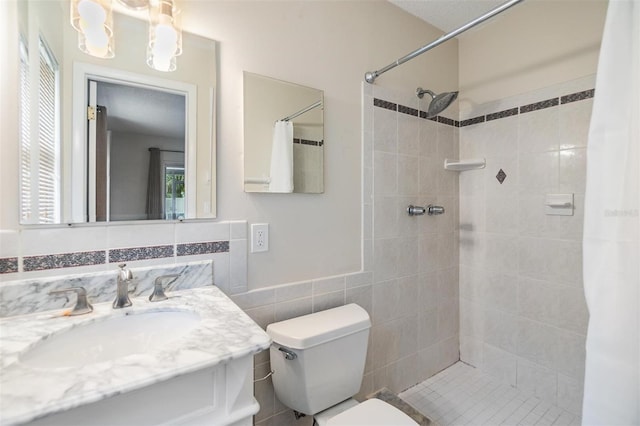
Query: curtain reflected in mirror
(283, 136)
(154, 186)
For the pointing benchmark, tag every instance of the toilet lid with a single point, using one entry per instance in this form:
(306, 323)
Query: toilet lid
(372, 412)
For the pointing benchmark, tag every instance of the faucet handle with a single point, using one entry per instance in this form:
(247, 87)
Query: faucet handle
(158, 290)
(125, 273)
(82, 303)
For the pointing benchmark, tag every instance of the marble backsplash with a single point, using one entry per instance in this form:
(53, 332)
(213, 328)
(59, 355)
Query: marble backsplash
(32, 295)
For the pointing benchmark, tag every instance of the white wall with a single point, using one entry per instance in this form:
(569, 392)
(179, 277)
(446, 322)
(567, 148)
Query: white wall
(329, 46)
(533, 45)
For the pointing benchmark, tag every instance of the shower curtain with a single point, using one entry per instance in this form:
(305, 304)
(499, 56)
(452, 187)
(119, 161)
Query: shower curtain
(611, 226)
(154, 185)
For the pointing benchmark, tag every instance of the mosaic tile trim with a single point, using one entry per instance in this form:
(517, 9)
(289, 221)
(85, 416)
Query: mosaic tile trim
(63, 260)
(8, 265)
(578, 96)
(385, 104)
(203, 248)
(471, 121)
(502, 114)
(139, 253)
(536, 106)
(308, 142)
(448, 121)
(413, 112)
(408, 110)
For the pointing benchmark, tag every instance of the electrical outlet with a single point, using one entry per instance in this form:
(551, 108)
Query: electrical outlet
(259, 237)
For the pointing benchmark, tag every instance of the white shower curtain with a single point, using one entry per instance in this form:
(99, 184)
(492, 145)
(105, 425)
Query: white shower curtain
(281, 172)
(611, 226)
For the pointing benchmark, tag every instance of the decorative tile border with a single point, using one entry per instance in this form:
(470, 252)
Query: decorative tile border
(536, 106)
(413, 112)
(140, 253)
(308, 142)
(8, 265)
(63, 260)
(470, 121)
(408, 110)
(385, 104)
(202, 248)
(502, 114)
(578, 96)
(539, 105)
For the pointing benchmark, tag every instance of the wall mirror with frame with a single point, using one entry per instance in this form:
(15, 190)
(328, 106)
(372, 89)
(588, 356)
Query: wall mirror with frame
(151, 141)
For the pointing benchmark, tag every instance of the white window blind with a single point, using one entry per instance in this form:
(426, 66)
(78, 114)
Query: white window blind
(40, 163)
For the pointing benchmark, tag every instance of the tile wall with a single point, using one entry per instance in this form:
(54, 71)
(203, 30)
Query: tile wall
(409, 281)
(523, 316)
(36, 252)
(415, 258)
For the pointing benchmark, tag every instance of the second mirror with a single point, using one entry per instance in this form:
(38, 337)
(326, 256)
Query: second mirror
(283, 136)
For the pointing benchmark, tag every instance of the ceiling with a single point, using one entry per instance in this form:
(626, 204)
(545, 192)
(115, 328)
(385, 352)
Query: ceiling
(447, 15)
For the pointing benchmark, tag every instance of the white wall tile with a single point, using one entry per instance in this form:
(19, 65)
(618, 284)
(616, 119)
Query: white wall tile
(385, 130)
(192, 232)
(538, 131)
(408, 134)
(536, 379)
(121, 236)
(385, 179)
(41, 241)
(9, 243)
(500, 364)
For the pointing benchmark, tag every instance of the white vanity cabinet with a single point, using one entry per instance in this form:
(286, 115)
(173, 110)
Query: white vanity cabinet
(218, 396)
(204, 377)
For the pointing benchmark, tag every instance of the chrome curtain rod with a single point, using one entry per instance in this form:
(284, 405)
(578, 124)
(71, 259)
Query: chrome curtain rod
(371, 76)
(302, 111)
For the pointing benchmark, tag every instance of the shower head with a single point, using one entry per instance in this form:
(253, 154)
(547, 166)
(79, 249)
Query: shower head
(438, 102)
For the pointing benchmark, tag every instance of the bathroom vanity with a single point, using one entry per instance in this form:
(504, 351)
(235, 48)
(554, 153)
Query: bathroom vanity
(185, 360)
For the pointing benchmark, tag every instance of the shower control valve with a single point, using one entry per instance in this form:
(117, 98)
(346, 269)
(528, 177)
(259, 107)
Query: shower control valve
(434, 210)
(416, 210)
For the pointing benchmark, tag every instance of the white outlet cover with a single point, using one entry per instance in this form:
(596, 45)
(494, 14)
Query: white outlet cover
(259, 237)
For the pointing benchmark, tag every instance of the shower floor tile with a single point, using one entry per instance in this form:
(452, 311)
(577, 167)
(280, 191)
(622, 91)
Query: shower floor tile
(464, 395)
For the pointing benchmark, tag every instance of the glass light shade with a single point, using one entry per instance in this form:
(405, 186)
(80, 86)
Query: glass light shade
(165, 36)
(93, 19)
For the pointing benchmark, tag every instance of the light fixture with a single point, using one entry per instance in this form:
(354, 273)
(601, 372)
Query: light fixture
(93, 19)
(165, 36)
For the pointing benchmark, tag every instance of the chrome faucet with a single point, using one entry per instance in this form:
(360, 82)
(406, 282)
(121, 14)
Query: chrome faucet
(82, 303)
(158, 290)
(124, 278)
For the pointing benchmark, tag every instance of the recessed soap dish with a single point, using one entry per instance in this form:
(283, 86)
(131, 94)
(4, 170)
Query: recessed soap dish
(462, 165)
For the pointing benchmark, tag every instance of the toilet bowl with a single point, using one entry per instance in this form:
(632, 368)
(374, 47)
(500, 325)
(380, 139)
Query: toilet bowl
(372, 412)
(318, 362)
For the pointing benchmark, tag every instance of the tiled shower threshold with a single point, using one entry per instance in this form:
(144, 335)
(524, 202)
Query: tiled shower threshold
(464, 395)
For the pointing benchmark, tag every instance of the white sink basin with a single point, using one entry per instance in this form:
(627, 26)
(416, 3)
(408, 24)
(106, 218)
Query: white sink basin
(110, 339)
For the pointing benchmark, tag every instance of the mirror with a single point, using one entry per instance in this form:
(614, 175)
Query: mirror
(283, 136)
(65, 176)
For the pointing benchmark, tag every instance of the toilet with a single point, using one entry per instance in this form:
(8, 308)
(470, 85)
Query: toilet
(318, 361)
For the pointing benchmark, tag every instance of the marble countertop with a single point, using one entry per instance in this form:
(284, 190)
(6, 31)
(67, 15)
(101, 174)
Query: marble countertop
(224, 333)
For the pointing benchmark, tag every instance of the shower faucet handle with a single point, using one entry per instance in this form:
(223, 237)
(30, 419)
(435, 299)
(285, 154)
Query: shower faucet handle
(434, 210)
(416, 210)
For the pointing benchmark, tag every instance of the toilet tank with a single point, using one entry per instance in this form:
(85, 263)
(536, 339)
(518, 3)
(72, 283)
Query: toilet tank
(318, 359)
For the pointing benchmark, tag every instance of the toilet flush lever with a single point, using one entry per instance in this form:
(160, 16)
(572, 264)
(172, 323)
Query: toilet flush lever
(288, 354)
